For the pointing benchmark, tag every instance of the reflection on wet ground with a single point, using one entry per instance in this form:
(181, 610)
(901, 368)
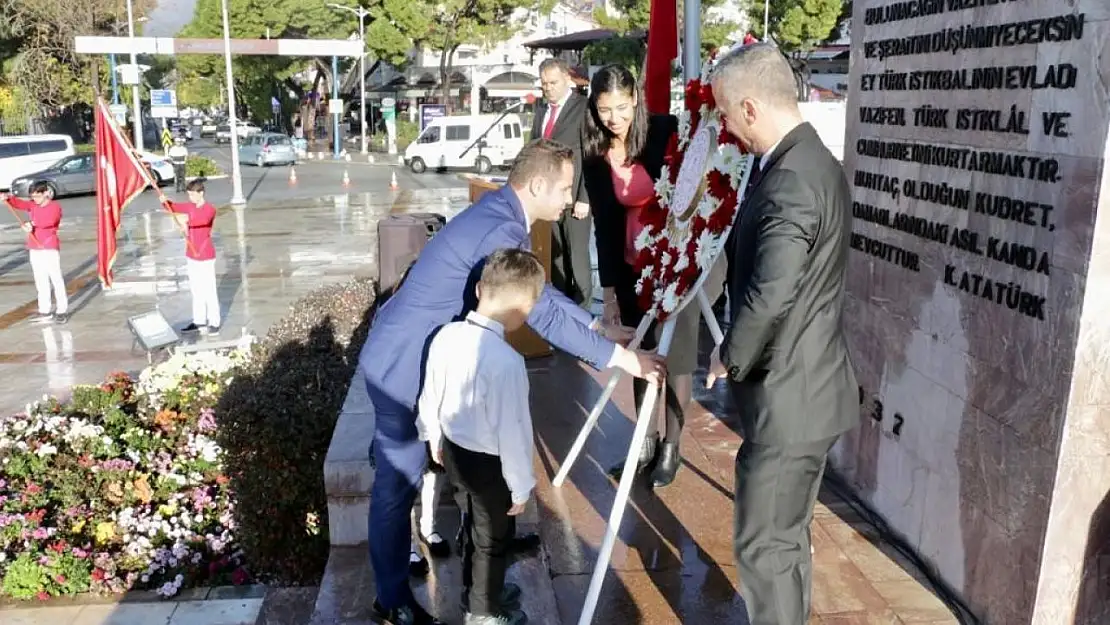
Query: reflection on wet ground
(673, 560)
(268, 255)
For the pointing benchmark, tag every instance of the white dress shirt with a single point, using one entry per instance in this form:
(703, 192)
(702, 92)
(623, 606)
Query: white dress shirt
(561, 104)
(767, 155)
(476, 395)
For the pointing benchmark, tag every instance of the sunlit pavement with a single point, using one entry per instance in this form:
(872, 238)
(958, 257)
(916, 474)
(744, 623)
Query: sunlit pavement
(268, 254)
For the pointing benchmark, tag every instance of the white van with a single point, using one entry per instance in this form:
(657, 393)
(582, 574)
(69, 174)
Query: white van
(445, 139)
(26, 154)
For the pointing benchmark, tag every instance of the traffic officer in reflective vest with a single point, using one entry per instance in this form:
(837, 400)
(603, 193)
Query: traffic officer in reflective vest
(178, 155)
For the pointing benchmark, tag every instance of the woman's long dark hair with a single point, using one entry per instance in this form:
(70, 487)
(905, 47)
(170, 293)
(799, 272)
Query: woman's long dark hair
(595, 136)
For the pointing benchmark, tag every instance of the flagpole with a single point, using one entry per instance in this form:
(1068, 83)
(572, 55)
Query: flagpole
(691, 40)
(22, 223)
(163, 200)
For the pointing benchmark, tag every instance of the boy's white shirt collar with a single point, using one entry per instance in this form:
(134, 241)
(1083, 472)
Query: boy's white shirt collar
(486, 322)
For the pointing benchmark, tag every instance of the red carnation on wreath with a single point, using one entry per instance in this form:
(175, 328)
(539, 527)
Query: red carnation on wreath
(682, 233)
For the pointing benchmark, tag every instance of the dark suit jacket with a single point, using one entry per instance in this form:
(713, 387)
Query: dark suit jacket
(568, 131)
(608, 213)
(436, 289)
(785, 351)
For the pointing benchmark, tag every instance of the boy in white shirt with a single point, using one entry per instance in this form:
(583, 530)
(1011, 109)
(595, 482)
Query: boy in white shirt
(474, 412)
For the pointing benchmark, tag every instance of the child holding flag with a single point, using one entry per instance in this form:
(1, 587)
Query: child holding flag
(200, 257)
(43, 247)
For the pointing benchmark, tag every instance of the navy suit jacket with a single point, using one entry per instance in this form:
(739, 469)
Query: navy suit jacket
(440, 287)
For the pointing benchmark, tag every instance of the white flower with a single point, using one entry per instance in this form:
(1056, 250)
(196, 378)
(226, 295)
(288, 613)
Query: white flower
(645, 239)
(683, 263)
(46, 450)
(707, 249)
(683, 130)
(670, 298)
(708, 205)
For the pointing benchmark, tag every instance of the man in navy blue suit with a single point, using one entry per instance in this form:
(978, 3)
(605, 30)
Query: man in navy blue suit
(433, 294)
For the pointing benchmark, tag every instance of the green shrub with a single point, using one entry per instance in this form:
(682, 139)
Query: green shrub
(201, 166)
(276, 421)
(84, 148)
(406, 133)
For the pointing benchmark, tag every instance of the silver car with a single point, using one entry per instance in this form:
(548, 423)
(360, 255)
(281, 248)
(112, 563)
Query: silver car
(267, 148)
(76, 175)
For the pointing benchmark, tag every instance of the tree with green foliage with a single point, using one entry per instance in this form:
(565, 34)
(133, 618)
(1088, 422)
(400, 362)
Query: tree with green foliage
(473, 22)
(797, 25)
(37, 47)
(634, 18)
(390, 31)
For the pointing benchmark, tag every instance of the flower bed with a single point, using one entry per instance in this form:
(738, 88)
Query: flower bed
(121, 487)
(207, 470)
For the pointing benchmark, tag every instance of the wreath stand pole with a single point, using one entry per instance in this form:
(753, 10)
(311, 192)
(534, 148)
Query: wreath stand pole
(647, 414)
(599, 407)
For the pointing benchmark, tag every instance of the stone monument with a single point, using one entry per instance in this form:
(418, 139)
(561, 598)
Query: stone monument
(979, 295)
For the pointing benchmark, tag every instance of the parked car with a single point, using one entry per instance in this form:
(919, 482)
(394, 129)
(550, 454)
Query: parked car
(75, 175)
(267, 148)
(209, 127)
(21, 155)
(246, 129)
(223, 133)
(449, 142)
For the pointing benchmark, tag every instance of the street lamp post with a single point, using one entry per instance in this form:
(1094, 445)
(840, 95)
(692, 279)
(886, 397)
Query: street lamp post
(766, 20)
(236, 175)
(361, 13)
(137, 126)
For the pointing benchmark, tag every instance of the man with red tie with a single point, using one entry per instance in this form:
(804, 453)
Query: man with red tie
(559, 117)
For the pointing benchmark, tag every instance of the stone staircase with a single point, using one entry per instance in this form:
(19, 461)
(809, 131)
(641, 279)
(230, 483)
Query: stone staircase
(346, 592)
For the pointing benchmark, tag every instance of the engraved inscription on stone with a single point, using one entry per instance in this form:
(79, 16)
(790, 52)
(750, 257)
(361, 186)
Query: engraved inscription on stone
(947, 92)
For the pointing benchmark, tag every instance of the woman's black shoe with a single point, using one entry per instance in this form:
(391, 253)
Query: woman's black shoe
(412, 614)
(438, 547)
(647, 455)
(667, 466)
(418, 565)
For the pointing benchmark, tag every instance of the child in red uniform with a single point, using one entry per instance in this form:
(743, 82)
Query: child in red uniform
(200, 260)
(43, 248)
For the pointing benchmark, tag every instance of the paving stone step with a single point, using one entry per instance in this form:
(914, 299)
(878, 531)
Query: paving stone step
(347, 590)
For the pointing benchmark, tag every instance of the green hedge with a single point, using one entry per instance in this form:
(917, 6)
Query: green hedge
(201, 166)
(276, 422)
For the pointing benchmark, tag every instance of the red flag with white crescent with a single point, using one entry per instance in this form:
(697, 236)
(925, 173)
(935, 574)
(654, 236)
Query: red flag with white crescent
(119, 179)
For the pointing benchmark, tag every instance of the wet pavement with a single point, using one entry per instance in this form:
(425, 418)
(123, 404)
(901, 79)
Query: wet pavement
(268, 255)
(673, 560)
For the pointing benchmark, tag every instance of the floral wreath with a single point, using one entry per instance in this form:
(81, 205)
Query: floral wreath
(697, 195)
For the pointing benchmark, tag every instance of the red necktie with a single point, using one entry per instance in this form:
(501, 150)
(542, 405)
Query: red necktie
(549, 127)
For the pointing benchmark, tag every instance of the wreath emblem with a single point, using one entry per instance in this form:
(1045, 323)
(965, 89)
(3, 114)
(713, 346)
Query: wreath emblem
(697, 196)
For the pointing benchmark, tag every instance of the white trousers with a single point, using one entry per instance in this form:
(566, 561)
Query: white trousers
(46, 265)
(202, 286)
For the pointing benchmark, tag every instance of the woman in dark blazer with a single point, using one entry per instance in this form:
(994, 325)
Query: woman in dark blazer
(623, 152)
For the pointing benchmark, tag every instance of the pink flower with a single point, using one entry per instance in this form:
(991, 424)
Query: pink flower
(61, 579)
(239, 577)
(42, 596)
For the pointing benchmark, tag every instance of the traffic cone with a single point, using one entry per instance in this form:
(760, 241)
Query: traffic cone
(346, 179)
(292, 175)
(393, 181)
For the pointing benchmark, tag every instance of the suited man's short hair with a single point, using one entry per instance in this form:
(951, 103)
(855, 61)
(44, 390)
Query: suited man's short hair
(555, 63)
(540, 158)
(758, 71)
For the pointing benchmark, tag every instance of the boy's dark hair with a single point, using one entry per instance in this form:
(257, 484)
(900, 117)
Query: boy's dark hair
(196, 185)
(513, 268)
(39, 186)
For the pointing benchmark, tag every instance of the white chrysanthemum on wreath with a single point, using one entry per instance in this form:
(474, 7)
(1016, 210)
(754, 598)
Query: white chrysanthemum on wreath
(708, 205)
(666, 259)
(645, 239)
(663, 186)
(670, 299)
(706, 249)
(682, 264)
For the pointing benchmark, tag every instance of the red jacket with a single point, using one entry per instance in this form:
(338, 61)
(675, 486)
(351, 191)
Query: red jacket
(200, 228)
(44, 222)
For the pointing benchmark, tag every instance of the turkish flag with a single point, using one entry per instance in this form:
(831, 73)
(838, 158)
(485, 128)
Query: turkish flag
(662, 48)
(119, 178)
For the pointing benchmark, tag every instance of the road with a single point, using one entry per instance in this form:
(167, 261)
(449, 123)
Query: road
(269, 184)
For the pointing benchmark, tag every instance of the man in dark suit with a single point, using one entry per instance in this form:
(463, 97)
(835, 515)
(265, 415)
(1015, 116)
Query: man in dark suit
(559, 117)
(785, 355)
(438, 289)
